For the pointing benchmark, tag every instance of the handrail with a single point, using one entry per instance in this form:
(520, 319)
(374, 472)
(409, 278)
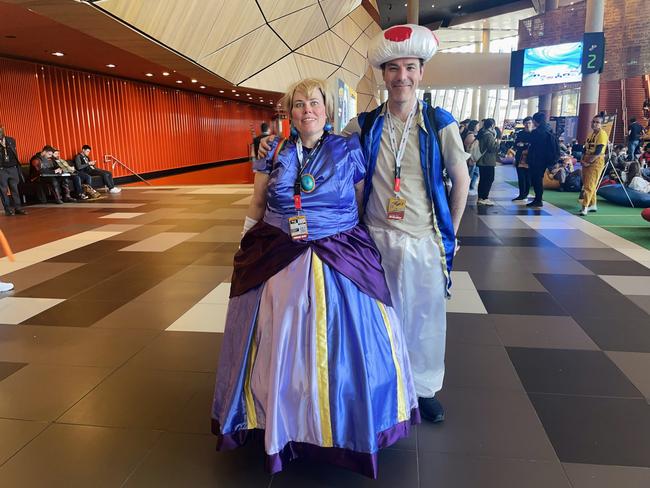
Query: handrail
(109, 157)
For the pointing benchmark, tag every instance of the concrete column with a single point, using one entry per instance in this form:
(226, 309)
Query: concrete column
(532, 108)
(463, 109)
(485, 48)
(590, 83)
(544, 104)
(556, 104)
(475, 96)
(413, 12)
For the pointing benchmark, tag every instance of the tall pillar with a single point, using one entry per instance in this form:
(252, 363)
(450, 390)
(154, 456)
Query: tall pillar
(531, 106)
(591, 82)
(556, 104)
(545, 104)
(475, 95)
(485, 48)
(413, 12)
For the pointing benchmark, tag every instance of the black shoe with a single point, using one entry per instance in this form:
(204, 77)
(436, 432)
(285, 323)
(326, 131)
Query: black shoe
(58, 202)
(516, 199)
(535, 204)
(9, 213)
(431, 409)
(20, 211)
(70, 200)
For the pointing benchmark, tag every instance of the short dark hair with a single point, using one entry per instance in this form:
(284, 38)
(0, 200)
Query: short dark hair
(527, 119)
(85, 146)
(489, 123)
(47, 148)
(540, 118)
(383, 65)
(264, 127)
(632, 120)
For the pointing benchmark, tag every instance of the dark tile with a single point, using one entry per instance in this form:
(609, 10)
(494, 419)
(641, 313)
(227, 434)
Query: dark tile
(144, 315)
(617, 268)
(471, 328)
(570, 372)
(190, 460)
(527, 232)
(480, 241)
(75, 313)
(592, 430)
(459, 471)
(89, 253)
(78, 456)
(7, 369)
(602, 476)
(396, 468)
(520, 303)
(482, 422)
(15, 434)
(618, 333)
(136, 398)
(480, 366)
(188, 225)
(537, 241)
(499, 210)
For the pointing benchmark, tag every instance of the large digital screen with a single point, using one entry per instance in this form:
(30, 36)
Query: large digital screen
(550, 65)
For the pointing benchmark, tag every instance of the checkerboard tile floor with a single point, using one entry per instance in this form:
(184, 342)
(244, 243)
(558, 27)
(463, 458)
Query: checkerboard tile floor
(110, 341)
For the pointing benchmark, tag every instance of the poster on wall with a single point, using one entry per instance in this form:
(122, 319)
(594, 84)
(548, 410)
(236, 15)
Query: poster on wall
(345, 105)
(565, 127)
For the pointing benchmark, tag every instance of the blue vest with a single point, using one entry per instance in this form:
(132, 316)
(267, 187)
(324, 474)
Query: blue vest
(436, 119)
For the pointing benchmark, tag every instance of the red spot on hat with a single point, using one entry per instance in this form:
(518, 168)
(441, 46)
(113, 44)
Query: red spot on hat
(398, 34)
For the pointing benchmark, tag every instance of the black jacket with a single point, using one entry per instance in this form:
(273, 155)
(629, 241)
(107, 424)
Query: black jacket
(539, 151)
(520, 146)
(82, 163)
(10, 144)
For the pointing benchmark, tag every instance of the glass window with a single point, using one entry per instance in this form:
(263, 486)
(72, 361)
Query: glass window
(505, 45)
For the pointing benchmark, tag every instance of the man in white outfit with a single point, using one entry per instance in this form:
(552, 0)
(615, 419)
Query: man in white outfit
(411, 218)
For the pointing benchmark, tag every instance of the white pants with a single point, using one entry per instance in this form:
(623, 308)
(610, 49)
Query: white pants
(417, 286)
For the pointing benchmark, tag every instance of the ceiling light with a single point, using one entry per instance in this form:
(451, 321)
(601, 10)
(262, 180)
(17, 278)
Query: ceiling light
(194, 81)
(57, 53)
(202, 87)
(234, 91)
(179, 81)
(248, 94)
(250, 98)
(110, 66)
(220, 91)
(165, 73)
(148, 74)
(236, 94)
(459, 7)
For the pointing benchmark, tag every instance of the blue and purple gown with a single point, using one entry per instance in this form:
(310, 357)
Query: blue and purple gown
(313, 356)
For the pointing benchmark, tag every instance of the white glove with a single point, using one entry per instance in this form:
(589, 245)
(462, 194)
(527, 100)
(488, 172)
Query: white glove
(248, 225)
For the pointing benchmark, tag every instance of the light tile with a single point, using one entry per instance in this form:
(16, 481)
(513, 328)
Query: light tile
(218, 296)
(160, 242)
(537, 331)
(117, 227)
(545, 222)
(465, 301)
(570, 238)
(636, 366)
(629, 285)
(202, 317)
(601, 476)
(121, 215)
(462, 281)
(243, 201)
(14, 310)
(503, 222)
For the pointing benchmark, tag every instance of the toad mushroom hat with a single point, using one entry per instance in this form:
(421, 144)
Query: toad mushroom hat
(402, 41)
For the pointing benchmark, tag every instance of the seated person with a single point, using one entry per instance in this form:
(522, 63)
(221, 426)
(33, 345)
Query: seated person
(577, 150)
(619, 160)
(555, 177)
(74, 177)
(645, 156)
(635, 181)
(83, 164)
(42, 170)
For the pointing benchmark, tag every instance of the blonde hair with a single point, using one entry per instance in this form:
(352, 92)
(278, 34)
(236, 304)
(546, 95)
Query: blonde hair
(307, 87)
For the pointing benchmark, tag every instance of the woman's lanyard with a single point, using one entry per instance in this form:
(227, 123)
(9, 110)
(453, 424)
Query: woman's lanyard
(306, 183)
(398, 152)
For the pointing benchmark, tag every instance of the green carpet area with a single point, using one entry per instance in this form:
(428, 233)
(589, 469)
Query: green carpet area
(622, 221)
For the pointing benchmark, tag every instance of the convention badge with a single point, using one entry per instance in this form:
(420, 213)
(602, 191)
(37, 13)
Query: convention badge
(298, 227)
(396, 208)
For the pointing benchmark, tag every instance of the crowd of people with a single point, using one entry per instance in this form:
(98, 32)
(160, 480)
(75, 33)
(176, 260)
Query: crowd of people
(48, 174)
(544, 161)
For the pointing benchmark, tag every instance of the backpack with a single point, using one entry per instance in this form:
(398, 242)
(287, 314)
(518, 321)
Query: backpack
(553, 149)
(91, 192)
(475, 150)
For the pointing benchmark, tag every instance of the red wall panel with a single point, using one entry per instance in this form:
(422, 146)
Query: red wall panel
(147, 127)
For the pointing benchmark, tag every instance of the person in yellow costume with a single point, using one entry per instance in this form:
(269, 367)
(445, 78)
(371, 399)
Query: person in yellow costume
(593, 162)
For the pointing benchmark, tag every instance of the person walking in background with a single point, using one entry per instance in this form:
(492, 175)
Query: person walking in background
(10, 175)
(521, 160)
(489, 144)
(543, 152)
(634, 134)
(264, 128)
(593, 163)
(469, 136)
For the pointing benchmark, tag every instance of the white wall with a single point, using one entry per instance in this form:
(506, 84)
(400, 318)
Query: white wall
(467, 70)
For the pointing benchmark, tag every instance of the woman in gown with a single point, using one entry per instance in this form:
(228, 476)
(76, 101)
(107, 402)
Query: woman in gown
(313, 356)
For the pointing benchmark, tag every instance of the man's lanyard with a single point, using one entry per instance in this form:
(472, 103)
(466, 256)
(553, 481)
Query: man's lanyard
(302, 164)
(398, 152)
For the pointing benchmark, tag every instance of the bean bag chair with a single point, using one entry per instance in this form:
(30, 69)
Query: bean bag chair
(616, 195)
(646, 214)
(607, 182)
